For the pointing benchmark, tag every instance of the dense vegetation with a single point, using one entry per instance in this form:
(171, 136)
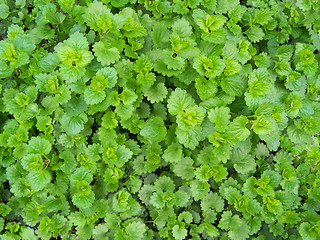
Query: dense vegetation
(160, 119)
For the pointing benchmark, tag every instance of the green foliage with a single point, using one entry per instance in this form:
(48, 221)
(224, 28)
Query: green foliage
(149, 119)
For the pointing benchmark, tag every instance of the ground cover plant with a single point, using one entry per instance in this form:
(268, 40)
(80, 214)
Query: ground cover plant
(149, 119)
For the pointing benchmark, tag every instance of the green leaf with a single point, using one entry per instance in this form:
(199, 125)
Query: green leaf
(237, 128)
(155, 93)
(283, 68)
(172, 63)
(308, 231)
(81, 174)
(200, 17)
(217, 37)
(154, 130)
(246, 165)
(284, 52)
(179, 101)
(262, 16)
(160, 34)
(38, 145)
(184, 168)
(220, 116)
(295, 81)
(262, 60)
(38, 180)
(127, 97)
(157, 200)
(66, 5)
(82, 196)
(74, 51)
(238, 229)
(104, 54)
(83, 201)
(199, 189)
(92, 96)
(49, 63)
(186, 217)
(182, 28)
(99, 18)
(30, 112)
(218, 173)
(122, 154)
(132, 28)
(210, 4)
(233, 85)
(73, 124)
(304, 5)
(173, 153)
(182, 198)
(298, 136)
(261, 125)
(109, 120)
(232, 67)
(209, 67)
(99, 232)
(70, 73)
(136, 230)
(51, 14)
(124, 111)
(206, 88)
(120, 3)
(27, 234)
(4, 11)
(179, 233)
(189, 138)
(293, 104)
(134, 184)
(255, 34)
(190, 118)
(212, 201)
(261, 151)
(223, 6)
(105, 77)
(69, 162)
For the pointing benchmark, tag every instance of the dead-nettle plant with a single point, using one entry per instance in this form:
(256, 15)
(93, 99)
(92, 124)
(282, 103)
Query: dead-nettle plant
(139, 119)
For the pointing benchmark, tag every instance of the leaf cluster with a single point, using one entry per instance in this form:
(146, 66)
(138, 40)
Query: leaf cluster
(147, 119)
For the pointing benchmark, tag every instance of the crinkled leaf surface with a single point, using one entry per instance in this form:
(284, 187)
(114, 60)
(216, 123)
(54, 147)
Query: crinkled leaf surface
(171, 119)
